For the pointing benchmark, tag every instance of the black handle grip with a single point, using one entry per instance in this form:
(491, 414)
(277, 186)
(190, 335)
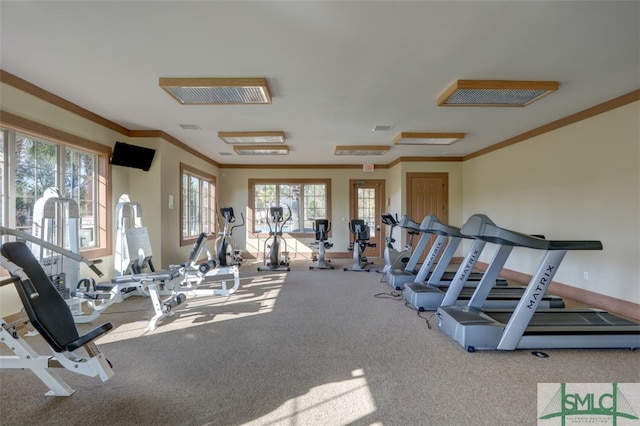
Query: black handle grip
(97, 271)
(30, 289)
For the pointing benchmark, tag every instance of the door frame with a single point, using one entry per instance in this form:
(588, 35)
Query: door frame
(380, 198)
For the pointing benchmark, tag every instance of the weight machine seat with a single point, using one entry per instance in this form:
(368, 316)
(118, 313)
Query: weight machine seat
(48, 312)
(167, 275)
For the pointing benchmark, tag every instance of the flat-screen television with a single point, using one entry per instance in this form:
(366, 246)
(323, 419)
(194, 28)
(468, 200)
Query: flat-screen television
(128, 155)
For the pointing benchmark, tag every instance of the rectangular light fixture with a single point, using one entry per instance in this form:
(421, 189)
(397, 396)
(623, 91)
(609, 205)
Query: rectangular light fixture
(217, 91)
(268, 137)
(261, 149)
(496, 93)
(361, 149)
(418, 138)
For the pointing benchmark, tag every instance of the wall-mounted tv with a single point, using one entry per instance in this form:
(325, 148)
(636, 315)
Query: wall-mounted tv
(128, 155)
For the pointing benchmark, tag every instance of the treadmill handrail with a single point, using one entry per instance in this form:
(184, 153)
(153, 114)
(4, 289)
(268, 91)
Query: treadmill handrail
(406, 222)
(481, 227)
(432, 225)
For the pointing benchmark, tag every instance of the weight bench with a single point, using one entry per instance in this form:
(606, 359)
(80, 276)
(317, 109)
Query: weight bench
(177, 282)
(50, 315)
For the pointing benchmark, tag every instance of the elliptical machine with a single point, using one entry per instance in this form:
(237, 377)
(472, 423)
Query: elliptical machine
(361, 231)
(226, 253)
(321, 228)
(395, 259)
(278, 258)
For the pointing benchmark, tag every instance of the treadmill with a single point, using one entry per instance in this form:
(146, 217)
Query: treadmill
(397, 279)
(429, 295)
(527, 327)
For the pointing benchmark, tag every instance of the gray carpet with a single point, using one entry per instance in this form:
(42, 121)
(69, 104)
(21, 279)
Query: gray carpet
(300, 348)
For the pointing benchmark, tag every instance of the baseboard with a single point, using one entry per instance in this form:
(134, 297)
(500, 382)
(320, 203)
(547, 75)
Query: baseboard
(327, 255)
(596, 300)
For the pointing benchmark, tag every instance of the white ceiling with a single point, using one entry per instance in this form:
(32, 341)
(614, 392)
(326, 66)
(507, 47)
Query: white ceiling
(336, 69)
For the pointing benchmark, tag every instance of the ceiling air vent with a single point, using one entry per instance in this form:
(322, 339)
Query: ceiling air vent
(496, 93)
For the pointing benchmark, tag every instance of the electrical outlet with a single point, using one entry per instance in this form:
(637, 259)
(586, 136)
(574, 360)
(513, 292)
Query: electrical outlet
(586, 275)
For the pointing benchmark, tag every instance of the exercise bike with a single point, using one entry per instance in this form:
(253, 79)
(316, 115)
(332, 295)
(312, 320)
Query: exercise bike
(395, 259)
(321, 228)
(361, 232)
(226, 253)
(278, 259)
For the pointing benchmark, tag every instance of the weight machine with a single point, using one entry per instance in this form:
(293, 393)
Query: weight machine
(127, 258)
(278, 259)
(50, 315)
(56, 219)
(181, 281)
(55, 241)
(84, 293)
(360, 230)
(321, 228)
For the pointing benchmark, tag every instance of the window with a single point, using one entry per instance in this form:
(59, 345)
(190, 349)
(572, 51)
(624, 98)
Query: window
(80, 184)
(307, 200)
(53, 162)
(197, 204)
(36, 168)
(3, 181)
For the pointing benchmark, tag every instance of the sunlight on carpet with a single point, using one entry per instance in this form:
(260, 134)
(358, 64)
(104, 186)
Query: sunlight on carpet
(257, 296)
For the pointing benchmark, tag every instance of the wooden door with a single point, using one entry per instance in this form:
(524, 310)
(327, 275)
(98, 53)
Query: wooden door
(427, 194)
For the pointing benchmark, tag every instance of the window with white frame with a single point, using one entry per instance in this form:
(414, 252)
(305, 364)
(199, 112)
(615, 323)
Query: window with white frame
(197, 203)
(305, 199)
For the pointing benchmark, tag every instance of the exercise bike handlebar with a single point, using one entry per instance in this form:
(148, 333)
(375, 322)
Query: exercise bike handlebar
(388, 219)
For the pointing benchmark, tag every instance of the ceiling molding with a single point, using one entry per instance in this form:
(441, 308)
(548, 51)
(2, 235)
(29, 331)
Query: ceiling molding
(29, 88)
(174, 141)
(40, 93)
(554, 125)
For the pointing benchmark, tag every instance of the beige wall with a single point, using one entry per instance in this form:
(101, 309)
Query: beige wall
(233, 191)
(566, 184)
(580, 182)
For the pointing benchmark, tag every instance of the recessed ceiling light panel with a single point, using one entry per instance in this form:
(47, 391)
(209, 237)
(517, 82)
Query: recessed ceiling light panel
(267, 137)
(261, 149)
(361, 149)
(417, 138)
(190, 126)
(496, 93)
(217, 91)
